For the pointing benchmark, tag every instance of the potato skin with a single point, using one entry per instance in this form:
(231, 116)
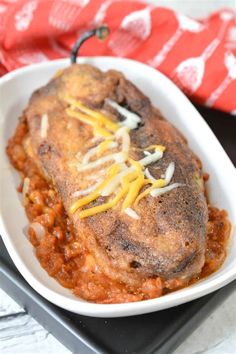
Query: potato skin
(169, 238)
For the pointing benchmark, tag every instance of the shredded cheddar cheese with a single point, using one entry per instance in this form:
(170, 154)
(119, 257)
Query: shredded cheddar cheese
(105, 206)
(125, 179)
(97, 129)
(96, 193)
(129, 177)
(96, 115)
(134, 189)
(157, 184)
(136, 165)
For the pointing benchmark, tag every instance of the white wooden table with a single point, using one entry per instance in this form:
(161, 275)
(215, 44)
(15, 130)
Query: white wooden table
(21, 334)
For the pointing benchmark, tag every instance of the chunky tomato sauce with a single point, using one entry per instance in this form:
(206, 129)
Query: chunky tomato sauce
(53, 236)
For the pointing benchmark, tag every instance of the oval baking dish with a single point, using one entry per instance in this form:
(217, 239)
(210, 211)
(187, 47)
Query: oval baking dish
(15, 90)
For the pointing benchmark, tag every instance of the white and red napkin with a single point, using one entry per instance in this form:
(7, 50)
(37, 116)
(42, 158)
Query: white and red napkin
(198, 55)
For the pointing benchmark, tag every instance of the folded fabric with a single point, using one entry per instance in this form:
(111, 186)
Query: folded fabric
(198, 55)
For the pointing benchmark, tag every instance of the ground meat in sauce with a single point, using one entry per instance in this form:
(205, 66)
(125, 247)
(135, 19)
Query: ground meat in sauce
(65, 259)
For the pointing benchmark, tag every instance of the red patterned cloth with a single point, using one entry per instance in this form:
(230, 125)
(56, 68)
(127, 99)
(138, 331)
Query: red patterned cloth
(199, 56)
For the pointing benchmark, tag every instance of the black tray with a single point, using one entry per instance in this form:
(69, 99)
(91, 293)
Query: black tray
(160, 332)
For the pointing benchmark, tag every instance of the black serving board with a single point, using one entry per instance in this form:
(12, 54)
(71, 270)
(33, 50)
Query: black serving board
(159, 332)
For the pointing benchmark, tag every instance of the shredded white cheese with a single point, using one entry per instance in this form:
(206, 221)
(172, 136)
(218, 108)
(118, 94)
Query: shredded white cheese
(89, 154)
(148, 174)
(113, 185)
(131, 119)
(159, 191)
(123, 133)
(100, 158)
(44, 126)
(100, 173)
(87, 190)
(118, 157)
(146, 153)
(157, 155)
(112, 145)
(95, 150)
(169, 172)
(132, 213)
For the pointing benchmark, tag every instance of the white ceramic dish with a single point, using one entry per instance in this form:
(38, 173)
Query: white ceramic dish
(15, 90)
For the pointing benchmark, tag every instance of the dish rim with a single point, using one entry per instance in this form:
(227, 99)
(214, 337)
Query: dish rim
(175, 298)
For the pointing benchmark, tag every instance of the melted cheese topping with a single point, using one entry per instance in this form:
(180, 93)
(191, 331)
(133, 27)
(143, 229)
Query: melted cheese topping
(126, 178)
